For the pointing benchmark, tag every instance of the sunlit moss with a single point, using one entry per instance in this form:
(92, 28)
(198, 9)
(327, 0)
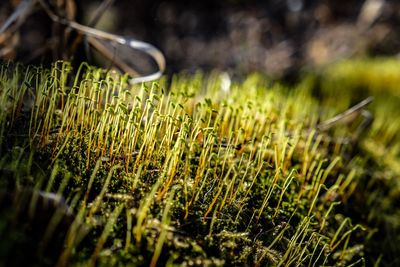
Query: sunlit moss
(197, 172)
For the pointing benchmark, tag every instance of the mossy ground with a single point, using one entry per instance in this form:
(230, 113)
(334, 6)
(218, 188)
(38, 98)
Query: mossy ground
(199, 171)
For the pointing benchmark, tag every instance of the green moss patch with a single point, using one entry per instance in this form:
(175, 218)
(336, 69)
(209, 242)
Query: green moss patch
(198, 171)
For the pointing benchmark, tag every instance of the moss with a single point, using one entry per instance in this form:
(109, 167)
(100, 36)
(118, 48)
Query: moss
(190, 174)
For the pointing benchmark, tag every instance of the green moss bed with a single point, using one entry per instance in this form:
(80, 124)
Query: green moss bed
(200, 170)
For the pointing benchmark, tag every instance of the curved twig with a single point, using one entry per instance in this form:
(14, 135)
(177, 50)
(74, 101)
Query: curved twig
(148, 49)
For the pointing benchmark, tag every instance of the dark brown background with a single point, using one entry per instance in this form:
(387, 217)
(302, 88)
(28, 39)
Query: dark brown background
(277, 37)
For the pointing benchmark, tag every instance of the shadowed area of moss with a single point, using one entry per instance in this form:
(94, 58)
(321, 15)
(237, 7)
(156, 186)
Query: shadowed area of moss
(201, 171)
(377, 195)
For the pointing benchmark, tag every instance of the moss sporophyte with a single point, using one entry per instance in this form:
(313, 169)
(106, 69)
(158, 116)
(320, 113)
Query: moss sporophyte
(195, 172)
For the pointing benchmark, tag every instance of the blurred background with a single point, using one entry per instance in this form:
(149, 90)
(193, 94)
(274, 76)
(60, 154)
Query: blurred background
(276, 37)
